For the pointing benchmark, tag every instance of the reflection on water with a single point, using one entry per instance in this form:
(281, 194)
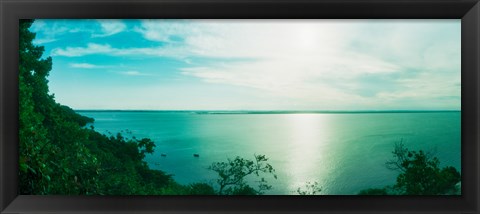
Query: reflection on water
(344, 153)
(308, 134)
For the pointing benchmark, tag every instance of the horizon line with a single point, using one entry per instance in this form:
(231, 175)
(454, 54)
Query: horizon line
(270, 111)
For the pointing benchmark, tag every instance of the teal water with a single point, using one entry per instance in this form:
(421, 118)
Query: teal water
(344, 153)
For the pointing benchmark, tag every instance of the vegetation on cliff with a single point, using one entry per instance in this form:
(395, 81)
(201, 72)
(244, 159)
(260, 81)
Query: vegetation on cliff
(59, 155)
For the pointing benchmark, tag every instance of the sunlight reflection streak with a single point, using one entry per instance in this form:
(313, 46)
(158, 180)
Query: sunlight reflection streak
(308, 136)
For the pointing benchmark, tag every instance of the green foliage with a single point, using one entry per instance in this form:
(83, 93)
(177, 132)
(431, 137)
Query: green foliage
(420, 174)
(58, 155)
(310, 189)
(201, 189)
(35, 167)
(146, 146)
(71, 115)
(232, 175)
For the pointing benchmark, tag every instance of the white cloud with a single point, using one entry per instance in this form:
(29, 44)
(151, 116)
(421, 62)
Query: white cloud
(110, 27)
(48, 31)
(165, 30)
(91, 48)
(297, 60)
(313, 62)
(133, 73)
(85, 65)
(106, 49)
(43, 41)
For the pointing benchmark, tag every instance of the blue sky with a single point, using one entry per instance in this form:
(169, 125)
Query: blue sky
(253, 64)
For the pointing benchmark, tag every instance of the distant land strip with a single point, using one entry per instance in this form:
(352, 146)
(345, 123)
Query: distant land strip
(270, 112)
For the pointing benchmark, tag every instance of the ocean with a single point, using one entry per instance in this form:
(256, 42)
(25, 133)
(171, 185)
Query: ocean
(344, 152)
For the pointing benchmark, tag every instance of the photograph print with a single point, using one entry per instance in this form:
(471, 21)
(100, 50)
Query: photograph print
(239, 107)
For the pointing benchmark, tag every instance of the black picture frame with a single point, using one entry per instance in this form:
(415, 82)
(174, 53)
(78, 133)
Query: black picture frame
(466, 10)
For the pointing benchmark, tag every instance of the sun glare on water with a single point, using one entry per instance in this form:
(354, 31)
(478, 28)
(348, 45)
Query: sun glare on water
(308, 136)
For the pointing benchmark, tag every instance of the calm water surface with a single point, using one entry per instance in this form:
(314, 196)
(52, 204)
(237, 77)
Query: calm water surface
(344, 153)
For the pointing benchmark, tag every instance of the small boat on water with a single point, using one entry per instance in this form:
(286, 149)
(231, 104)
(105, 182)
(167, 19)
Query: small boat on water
(163, 155)
(196, 155)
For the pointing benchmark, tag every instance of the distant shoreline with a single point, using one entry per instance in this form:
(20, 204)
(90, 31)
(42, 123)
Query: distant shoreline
(272, 112)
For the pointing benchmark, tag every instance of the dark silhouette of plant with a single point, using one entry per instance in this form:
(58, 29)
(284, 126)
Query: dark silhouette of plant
(233, 173)
(309, 189)
(420, 174)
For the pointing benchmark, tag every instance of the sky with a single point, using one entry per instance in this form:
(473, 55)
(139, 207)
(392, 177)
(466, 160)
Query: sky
(253, 64)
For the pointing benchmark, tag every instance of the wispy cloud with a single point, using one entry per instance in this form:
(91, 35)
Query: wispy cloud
(319, 64)
(43, 41)
(106, 49)
(110, 27)
(85, 65)
(166, 30)
(50, 30)
(91, 48)
(134, 73)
